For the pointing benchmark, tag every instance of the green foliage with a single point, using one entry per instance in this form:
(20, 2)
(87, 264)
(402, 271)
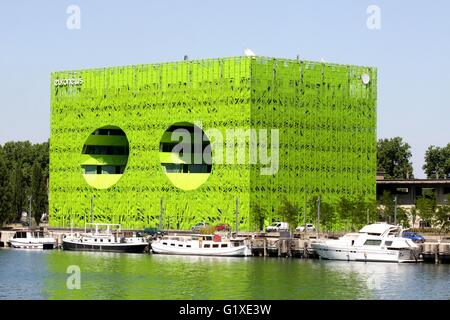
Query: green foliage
(413, 214)
(386, 210)
(373, 211)
(356, 213)
(386, 207)
(18, 158)
(437, 162)
(327, 213)
(426, 207)
(289, 213)
(257, 216)
(359, 218)
(393, 158)
(5, 192)
(18, 188)
(402, 217)
(38, 192)
(442, 218)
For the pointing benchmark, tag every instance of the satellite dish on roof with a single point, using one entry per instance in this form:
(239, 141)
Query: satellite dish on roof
(365, 78)
(249, 53)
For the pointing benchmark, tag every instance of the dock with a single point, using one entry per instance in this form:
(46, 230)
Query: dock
(279, 245)
(437, 252)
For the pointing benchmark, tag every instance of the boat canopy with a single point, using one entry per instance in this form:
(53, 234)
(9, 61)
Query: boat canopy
(378, 228)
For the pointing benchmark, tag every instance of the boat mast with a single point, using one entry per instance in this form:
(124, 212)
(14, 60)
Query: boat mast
(237, 215)
(92, 212)
(304, 208)
(161, 214)
(318, 217)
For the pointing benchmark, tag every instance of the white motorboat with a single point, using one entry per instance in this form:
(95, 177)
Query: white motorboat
(103, 238)
(28, 239)
(375, 242)
(201, 245)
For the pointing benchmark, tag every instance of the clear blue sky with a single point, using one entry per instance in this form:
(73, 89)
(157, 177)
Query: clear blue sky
(411, 51)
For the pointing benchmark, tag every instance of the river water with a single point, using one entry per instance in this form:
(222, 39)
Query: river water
(44, 275)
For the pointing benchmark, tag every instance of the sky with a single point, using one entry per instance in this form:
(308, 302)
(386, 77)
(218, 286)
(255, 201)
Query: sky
(409, 44)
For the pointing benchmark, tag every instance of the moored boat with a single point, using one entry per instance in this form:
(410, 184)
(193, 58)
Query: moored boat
(32, 239)
(201, 245)
(102, 238)
(375, 242)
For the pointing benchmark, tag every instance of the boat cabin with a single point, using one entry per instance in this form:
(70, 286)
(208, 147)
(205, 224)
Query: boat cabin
(28, 234)
(200, 241)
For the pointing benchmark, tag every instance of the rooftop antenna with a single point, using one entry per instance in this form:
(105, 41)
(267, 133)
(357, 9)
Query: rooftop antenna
(249, 53)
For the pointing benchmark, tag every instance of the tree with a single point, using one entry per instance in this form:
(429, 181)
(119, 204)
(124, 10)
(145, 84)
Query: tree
(258, 215)
(5, 192)
(289, 212)
(393, 158)
(413, 215)
(426, 207)
(345, 209)
(437, 162)
(354, 212)
(20, 158)
(17, 189)
(442, 217)
(386, 207)
(38, 192)
(373, 213)
(359, 217)
(327, 214)
(402, 217)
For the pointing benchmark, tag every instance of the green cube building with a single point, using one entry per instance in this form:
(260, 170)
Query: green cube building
(111, 144)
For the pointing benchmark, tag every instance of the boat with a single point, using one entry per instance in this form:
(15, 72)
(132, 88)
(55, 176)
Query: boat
(105, 237)
(379, 242)
(201, 245)
(29, 239)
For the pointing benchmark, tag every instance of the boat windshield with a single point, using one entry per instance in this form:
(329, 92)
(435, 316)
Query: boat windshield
(20, 235)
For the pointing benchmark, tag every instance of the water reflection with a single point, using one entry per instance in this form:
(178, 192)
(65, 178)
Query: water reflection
(109, 276)
(22, 274)
(42, 275)
(397, 280)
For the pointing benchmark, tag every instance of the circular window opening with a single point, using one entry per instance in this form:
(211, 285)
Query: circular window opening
(185, 155)
(104, 157)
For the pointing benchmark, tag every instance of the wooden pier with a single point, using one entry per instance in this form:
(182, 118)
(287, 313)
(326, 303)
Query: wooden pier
(281, 247)
(280, 244)
(5, 237)
(437, 252)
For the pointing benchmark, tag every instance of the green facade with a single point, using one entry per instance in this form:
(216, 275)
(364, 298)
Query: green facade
(325, 114)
